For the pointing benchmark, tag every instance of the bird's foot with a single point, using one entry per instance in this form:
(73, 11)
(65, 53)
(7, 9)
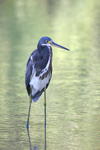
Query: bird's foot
(27, 126)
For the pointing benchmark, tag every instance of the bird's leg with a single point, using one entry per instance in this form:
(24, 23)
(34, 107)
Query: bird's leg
(27, 124)
(45, 118)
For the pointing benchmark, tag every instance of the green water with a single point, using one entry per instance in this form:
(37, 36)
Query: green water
(73, 96)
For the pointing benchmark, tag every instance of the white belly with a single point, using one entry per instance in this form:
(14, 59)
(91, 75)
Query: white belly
(38, 84)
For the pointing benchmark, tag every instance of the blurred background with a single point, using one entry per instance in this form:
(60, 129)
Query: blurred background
(73, 96)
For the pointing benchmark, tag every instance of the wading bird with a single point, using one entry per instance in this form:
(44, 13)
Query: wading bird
(39, 71)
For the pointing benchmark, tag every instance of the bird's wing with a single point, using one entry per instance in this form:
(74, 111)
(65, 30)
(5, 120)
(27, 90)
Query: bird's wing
(29, 70)
(33, 62)
(37, 74)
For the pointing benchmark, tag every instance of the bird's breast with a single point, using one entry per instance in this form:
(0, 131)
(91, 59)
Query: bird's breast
(45, 64)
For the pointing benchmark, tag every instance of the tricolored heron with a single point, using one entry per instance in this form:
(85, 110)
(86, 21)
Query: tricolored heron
(39, 71)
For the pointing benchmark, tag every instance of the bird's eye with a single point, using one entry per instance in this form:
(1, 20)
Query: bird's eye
(47, 41)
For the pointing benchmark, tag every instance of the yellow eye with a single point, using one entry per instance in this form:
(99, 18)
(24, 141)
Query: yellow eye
(48, 42)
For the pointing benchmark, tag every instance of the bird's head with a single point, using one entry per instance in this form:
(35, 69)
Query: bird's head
(46, 41)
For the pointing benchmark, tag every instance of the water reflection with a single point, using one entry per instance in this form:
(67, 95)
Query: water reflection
(73, 96)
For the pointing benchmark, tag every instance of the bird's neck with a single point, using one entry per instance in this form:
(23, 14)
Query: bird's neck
(46, 55)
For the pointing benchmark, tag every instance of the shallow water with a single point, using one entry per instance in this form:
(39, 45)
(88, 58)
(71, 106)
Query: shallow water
(73, 96)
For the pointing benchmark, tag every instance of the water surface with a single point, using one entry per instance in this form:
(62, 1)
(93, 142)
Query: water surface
(73, 96)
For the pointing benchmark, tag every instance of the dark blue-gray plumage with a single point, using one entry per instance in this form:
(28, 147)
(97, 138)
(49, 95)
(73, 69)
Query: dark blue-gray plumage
(38, 74)
(39, 68)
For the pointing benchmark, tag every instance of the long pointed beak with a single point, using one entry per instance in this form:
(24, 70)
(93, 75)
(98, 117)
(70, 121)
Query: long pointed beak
(57, 45)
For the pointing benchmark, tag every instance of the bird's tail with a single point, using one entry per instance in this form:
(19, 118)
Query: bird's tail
(37, 95)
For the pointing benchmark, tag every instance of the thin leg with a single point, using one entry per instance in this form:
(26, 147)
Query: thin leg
(27, 124)
(44, 118)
